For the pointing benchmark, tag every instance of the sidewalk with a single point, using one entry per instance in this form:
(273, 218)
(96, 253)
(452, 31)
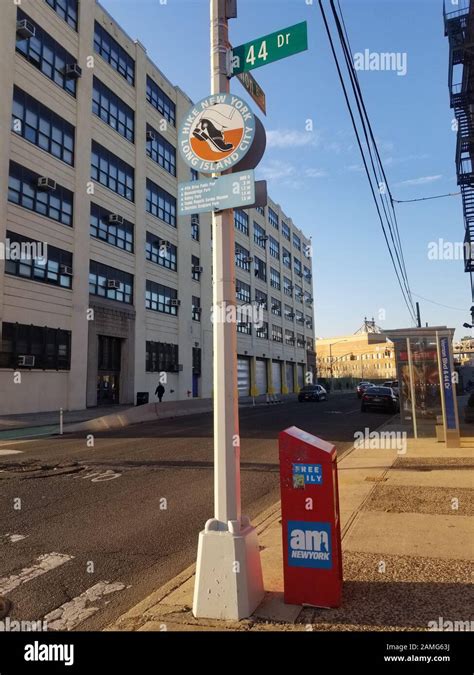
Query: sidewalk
(407, 551)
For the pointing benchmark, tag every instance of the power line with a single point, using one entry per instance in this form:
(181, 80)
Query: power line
(424, 199)
(433, 302)
(407, 302)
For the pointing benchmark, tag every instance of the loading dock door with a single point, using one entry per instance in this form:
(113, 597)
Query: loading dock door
(243, 376)
(261, 376)
(276, 376)
(300, 375)
(290, 377)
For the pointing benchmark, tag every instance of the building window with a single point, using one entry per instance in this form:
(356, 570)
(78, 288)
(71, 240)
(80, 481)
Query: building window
(297, 267)
(50, 266)
(260, 269)
(287, 287)
(112, 172)
(112, 110)
(160, 203)
(296, 242)
(195, 226)
(47, 55)
(307, 274)
(242, 257)
(241, 221)
(299, 317)
(161, 298)
(23, 190)
(286, 258)
(289, 314)
(259, 235)
(298, 293)
(300, 341)
(66, 9)
(160, 101)
(242, 291)
(114, 54)
(161, 252)
(285, 230)
(104, 227)
(275, 279)
(50, 347)
(194, 175)
(160, 151)
(195, 268)
(277, 335)
(244, 327)
(273, 218)
(196, 308)
(262, 331)
(260, 210)
(310, 344)
(261, 299)
(289, 337)
(41, 126)
(161, 357)
(274, 248)
(108, 282)
(276, 307)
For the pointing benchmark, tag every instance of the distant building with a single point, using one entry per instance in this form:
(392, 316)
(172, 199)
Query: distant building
(364, 355)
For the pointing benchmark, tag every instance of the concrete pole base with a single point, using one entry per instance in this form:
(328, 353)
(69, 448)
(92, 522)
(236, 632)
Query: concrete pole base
(229, 582)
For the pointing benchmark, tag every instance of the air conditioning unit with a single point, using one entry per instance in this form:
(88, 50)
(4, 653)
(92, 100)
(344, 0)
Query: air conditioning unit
(26, 360)
(197, 269)
(72, 70)
(115, 219)
(290, 315)
(198, 310)
(175, 302)
(45, 183)
(275, 306)
(263, 238)
(113, 284)
(65, 269)
(247, 259)
(150, 135)
(25, 29)
(164, 243)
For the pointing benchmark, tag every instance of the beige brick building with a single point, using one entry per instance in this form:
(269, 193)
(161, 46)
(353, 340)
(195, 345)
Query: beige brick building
(89, 167)
(362, 356)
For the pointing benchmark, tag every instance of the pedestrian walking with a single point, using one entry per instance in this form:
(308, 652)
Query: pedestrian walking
(160, 390)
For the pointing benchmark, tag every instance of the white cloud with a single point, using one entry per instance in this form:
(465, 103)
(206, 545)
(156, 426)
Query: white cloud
(276, 169)
(291, 138)
(423, 180)
(315, 173)
(354, 167)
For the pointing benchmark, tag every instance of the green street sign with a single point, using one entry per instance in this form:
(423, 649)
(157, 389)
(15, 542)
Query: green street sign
(254, 89)
(269, 48)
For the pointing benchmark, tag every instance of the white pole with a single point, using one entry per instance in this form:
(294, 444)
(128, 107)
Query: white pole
(228, 572)
(60, 421)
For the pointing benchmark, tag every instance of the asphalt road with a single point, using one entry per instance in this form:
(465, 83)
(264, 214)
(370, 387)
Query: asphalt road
(87, 532)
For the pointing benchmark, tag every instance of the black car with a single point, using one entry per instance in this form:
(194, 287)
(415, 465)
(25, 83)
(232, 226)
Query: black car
(362, 386)
(379, 397)
(312, 392)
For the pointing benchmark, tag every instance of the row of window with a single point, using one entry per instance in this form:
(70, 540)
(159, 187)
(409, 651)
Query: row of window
(261, 331)
(67, 10)
(35, 347)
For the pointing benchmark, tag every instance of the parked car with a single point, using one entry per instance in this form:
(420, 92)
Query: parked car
(362, 386)
(312, 392)
(380, 397)
(393, 384)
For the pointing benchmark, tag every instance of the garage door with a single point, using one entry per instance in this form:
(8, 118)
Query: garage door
(300, 375)
(243, 376)
(276, 376)
(261, 376)
(290, 379)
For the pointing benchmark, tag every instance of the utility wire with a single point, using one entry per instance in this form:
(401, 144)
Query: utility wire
(424, 199)
(392, 220)
(410, 308)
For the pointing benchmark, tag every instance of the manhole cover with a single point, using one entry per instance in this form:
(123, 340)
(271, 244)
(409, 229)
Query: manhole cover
(5, 605)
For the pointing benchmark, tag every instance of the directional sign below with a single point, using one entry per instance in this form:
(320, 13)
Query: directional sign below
(269, 48)
(254, 89)
(227, 192)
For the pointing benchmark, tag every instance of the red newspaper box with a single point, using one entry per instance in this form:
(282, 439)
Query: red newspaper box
(312, 559)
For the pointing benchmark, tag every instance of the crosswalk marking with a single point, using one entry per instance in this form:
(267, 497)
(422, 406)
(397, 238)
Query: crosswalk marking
(11, 538)
(80, 608)
(44, 563)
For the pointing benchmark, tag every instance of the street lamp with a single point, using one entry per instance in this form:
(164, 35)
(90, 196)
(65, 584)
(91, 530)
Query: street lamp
(330, 356)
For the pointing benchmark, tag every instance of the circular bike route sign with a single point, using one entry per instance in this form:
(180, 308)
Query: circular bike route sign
(216, 133)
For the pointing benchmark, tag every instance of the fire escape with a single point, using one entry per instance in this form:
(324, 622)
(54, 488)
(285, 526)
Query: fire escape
(459, 28)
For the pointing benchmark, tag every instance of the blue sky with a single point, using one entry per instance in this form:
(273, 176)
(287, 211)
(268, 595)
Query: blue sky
(316, 177)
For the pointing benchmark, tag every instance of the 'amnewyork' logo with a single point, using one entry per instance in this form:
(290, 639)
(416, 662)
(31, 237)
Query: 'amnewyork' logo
(309, 544)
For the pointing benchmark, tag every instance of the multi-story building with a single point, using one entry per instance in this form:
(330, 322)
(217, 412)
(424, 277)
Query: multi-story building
(459, 28)
(89, 169)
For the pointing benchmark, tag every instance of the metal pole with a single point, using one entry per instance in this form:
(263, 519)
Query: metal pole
(226, 412)
(412, 389)
(418, 316)
(60, 421)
